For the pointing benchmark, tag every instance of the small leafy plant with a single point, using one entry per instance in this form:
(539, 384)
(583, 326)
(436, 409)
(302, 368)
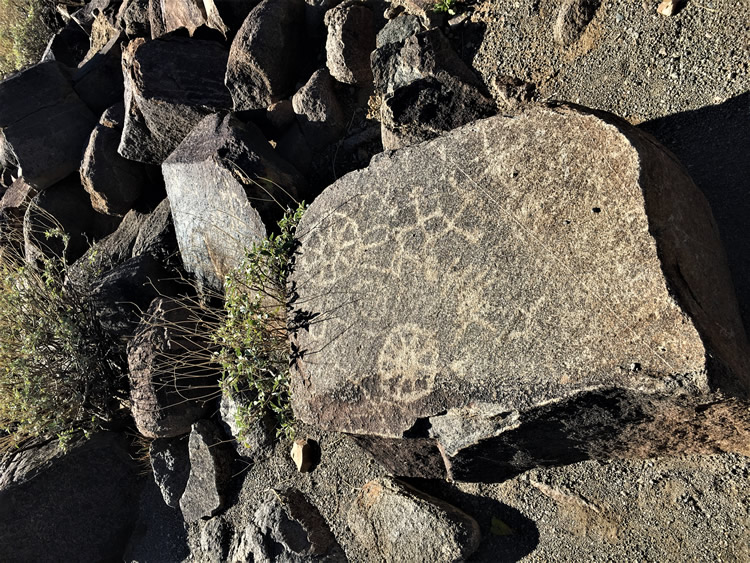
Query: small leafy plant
(253, 338)
(58, 373)
(446, 6)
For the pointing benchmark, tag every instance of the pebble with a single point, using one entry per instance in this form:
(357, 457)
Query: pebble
(302, 455)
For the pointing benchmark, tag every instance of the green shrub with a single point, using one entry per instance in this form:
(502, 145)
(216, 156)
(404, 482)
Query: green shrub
(58, 375)
(23, 34)
(253, 339)
(448, 6)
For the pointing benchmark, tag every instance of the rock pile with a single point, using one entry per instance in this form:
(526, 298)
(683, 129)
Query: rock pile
(492, 294)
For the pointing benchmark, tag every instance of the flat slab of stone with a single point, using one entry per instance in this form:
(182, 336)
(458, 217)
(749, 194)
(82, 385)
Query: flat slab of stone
(520, 261)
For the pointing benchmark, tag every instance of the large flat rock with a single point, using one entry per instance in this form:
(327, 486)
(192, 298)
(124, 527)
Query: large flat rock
(556, 267)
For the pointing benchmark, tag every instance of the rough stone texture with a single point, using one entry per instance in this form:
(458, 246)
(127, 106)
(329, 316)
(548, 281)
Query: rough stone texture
(78, 506)
(170, 463)
(44, 124)
(395, 522)
(426, 89)
(572, 19)
(253, 441)
(425, 9)
(64, 205)
(264, 54)
(210, 469)
(160, 113)
(168, 392)
(350, 40)
(99, 81)
(398, 29)
(113, 182)
(224, 183)
(502, 286)
(133, 18)
(102, 32)
(318, 111)
(15, 202)
(287, 528)
(165, 17)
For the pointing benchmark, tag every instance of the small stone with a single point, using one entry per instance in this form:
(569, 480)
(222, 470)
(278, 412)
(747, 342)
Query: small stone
(302, 455)
(669, 7)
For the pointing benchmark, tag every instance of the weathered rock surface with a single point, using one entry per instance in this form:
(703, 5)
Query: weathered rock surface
(502, 287)
(73, 506)
(226, 185)
(286, 527)
(572, 19)
(15, 202)
(426, 88)
(165, 17)
(398, 29)
(265, 53)
(99, 81)
(159, 113)
(395, 522)
(68, 46)
(210, 469)
(170, 463)
(133, 18)
(113, 182)
(168, 392)
(45, 126)
(318, 111)
(252, 441)
(350, 40)
(425, 9)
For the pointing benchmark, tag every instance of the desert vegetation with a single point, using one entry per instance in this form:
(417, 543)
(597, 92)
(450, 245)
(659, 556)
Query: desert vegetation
(23, 33)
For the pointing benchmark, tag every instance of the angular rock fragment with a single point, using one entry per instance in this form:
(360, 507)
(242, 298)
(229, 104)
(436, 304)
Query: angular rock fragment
(398, 29)
(350, 40)
(395, 522)
(113, 182)
(426, 89)
(99, 81)
(286, 527)
(318, 111)
(133, 18)
(424, 9)
(252, 441)
(44, 125)
(168, 391)
(264, 54)
(160, 113)
(210, 470)
(514, 309)
(170, 463)
(669, 7)
(302, 454)
(572, 19)
(165, 17)
(68, 46)
(226, 186)
(14, 203)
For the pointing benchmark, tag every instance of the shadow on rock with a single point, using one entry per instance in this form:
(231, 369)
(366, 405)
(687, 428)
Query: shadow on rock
(713, 144)
(507, 535)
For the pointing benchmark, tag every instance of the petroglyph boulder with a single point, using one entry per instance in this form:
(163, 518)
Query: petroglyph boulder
(528, 289)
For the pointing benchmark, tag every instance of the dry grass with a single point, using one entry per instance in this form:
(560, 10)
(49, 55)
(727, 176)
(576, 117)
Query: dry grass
(23, 34)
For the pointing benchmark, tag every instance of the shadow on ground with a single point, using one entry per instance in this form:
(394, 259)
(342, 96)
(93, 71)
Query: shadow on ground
(714, 145)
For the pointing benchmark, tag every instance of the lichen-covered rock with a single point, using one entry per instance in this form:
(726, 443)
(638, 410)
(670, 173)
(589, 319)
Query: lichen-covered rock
(394, 522)
(550, 278)
(265, 53)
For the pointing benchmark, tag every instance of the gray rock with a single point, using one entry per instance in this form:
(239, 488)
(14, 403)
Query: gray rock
(168, 392)
(78, 505)
(99, 81)
(585, 308)
(113, 182)
(170, 463)
(210, 470)
(572, 19)
(165, 17)
(213, 540)
(350, 40)
(15, 202)
(318, 111)
(133, 18)
(254, 441)
(424, 9)
(426, 88)
(45, 126)
(394, 522)
(398, 30)
(64, 205)
(286, 528)
(263, 56)
(160, 113)
(225, 185)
